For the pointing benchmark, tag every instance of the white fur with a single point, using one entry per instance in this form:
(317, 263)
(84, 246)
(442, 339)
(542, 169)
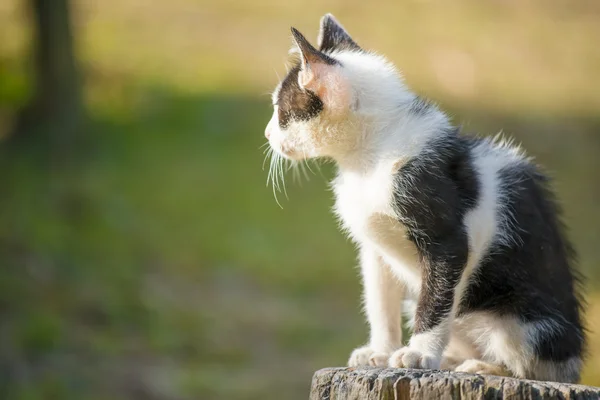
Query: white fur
(383, 295)
(383, 299)
(492, 155)
(375, 137)
(364, 185)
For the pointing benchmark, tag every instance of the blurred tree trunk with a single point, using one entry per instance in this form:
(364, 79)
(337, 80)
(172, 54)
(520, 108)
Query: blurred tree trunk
(53, 120)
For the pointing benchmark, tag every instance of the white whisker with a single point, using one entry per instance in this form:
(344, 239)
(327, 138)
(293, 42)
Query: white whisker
(275, 176)
(306, 162)
(303, 168)
(296, 177)
(281, 175)
(317, 165)
(268, 153)
(272, 176)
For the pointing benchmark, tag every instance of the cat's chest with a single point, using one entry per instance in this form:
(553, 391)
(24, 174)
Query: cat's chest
(363, 198)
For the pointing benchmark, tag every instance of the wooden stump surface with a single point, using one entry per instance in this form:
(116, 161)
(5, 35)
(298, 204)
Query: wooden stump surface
(404, 384)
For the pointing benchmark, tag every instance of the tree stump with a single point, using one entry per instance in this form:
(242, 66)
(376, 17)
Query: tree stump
(404, 384)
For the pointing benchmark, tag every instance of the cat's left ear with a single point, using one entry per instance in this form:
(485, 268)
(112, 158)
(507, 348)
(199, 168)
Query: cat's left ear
(333, 36)
(322, 75)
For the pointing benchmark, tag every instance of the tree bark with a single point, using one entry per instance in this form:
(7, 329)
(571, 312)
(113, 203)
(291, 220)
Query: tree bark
(404, 384)
(53, 118)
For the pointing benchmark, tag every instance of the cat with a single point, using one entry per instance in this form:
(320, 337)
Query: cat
(465, 228)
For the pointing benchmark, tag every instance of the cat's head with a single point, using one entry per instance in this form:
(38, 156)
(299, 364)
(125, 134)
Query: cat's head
(327, 93)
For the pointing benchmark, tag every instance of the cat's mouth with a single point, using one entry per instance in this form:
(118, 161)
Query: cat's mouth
(292, 155)
(288, 152)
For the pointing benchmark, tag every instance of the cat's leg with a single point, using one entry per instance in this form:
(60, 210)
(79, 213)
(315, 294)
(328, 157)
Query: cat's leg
(444, 276)
(462, 354)
(545, 349)
(383, 295)
(459, 349)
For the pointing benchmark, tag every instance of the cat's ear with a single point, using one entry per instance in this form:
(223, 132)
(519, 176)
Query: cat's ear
(321, 74)
(333, 36)
(310, 56)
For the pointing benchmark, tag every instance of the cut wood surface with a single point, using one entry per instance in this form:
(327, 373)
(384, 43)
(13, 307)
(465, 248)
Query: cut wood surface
(404, 384)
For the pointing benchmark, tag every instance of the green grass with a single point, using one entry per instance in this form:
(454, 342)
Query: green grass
(166, 255)
(167, 246)
(162, 267)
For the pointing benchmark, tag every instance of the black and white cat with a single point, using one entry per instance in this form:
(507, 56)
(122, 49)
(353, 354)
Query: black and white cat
(465, 227)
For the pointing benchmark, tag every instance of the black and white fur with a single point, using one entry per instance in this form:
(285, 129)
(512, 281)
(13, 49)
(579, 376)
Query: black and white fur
(460, 233)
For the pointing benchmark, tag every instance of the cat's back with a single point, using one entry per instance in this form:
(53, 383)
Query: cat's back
(530, 263)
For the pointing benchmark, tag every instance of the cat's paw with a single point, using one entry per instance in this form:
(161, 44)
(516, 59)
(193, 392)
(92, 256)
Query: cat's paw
(450, 363)
(407, 357)
(367, 356)
(379, 359)
(360, 356)
(481, 367)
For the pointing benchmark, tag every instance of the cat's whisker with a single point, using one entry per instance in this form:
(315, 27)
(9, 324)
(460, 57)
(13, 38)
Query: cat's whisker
(289, 164)
(279, 175)
(317, 165)
(268, 153)
(275, 196)
(306, 161)
(273, 176)
(282, 176)
(296, 177)
(270, 168)
(303, 169)
(280, 180)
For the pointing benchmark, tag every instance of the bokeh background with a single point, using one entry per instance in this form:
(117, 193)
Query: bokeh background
(142, 255)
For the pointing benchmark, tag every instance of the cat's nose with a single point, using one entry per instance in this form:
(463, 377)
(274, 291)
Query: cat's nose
(270, 127)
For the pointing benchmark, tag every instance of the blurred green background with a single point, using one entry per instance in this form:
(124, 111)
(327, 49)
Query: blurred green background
(142, 255)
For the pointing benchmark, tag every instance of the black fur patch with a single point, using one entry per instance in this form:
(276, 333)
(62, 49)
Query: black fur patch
(335, 37)
(296, 103)
(308, 52)
(433, 193)
(533, 278)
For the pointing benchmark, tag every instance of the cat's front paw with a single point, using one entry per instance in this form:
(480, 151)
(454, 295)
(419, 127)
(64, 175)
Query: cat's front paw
(407, 357)
(367, 356)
